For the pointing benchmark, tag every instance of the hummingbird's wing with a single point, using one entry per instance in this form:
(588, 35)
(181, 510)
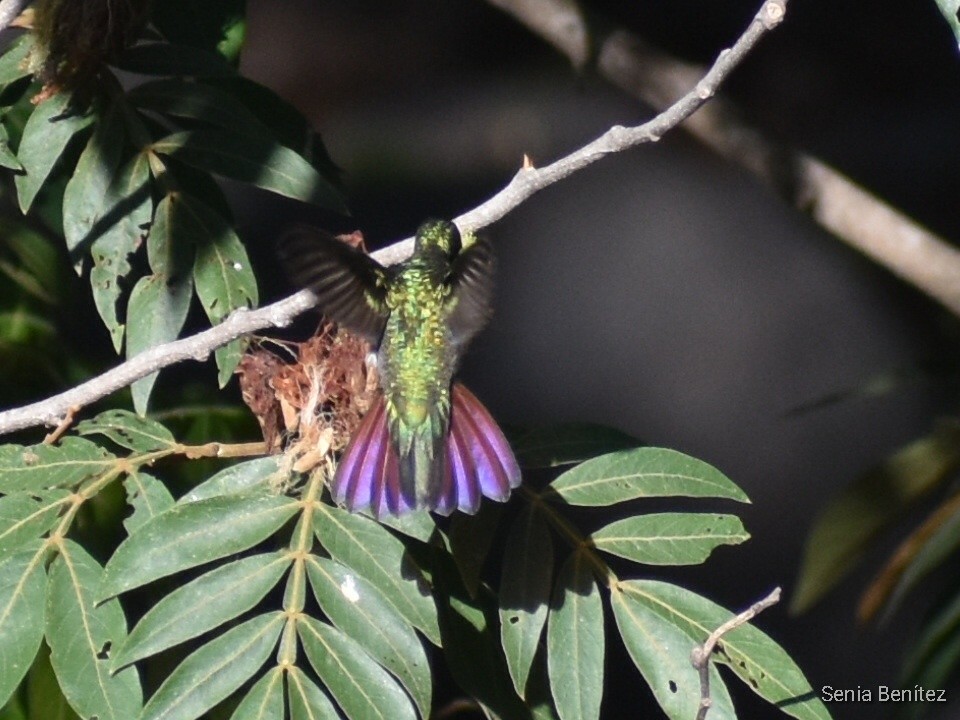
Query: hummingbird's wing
(349, 284)
(471, 299)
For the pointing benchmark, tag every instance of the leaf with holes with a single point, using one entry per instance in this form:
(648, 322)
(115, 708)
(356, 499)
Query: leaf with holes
(639, 473)
(359, 610)
(669, 538)
(129, 430)
(82, 634)
(379, 557)
(48, 132)
(200, 605)
(25, 517)
(147, 496)
(525, 593)
(361, 687)
(575, 641)
(23, 583)
(186, 536)
(216, 670)
(762, 664)
(37, 467)
(568, 444)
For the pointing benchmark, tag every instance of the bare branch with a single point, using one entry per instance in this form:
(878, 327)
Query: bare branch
(862, 220)
(525, 183)
(9, 10)
(700, 655)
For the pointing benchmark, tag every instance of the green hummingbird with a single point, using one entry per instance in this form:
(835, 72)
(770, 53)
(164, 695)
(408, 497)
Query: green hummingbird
(427, 442)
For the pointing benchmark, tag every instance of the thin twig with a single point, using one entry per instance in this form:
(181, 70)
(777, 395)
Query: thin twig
(851, 213)
(64, 425)
(700, 655)
(524, 184)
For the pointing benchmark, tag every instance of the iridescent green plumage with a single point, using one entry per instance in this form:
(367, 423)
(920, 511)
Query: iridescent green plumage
(421, 314)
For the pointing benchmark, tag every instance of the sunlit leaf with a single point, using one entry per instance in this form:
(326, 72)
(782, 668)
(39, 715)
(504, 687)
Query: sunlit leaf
(575, 641)
(847, 526)
(216, 670)
(203, 604)
(525, 593)
(361, 687)
(418, 524)
(642, 472)
(306, 700)
(379, 557)
(669, 538)
(82, 635)
(266, 164)
(189, 535)
(48, 131)
(360, 610)
(568, 444)
(12, 62)
(147, 496)
(237, 478)
(23, 585)
(950, 10)
(265, 699)
(117, 233)
(756, 659)
(44, 697)
(24, 517)
(36, 467)
(129, 430)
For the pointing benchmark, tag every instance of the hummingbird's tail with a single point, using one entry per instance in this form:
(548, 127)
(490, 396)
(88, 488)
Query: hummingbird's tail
(479, 462)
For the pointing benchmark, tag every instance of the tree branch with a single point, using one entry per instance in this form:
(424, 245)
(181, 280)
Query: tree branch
(525, 183)
(700, 655)
(862, 220)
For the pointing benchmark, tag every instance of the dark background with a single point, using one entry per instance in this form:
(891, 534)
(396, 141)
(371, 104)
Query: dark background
(664, 291)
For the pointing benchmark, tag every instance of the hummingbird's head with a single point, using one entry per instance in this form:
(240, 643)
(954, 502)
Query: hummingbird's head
(438, 234)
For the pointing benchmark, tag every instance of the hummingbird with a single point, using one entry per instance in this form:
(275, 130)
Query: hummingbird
(426, 442)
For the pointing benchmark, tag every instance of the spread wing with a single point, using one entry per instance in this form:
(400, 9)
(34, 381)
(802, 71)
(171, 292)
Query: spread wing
(471, 285)
(350, 285)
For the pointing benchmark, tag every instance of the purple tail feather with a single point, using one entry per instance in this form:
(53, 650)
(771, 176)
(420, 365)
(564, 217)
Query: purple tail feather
(479, 463)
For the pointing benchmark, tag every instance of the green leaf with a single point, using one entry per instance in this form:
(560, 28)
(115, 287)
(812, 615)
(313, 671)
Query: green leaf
(241, 477)
(359, 610)
(756, 659)
(575, 641)
(189, 535)
(380, 558)
(46, 135)
(848, 525)
(37, 467)
(129, 430)
(568, 444)
(203, 604)
(307, 701)
(22, 587)
(24, 518)
(669, 538)
(147, 496)
(216, 670)
(525, 593)
(264, 163)
(13, 64)
(86, 191)
(118, 232)
(159, 303)
(265, 699)
(223, 275)
(7, 157)
(642, 472)
(417, 524)
(82, 635)
(178, 60)
(661, 652)
(44, 697)
(361, 687)
(935, 652)
(470, 539)
(950, 9)
(197, 101)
